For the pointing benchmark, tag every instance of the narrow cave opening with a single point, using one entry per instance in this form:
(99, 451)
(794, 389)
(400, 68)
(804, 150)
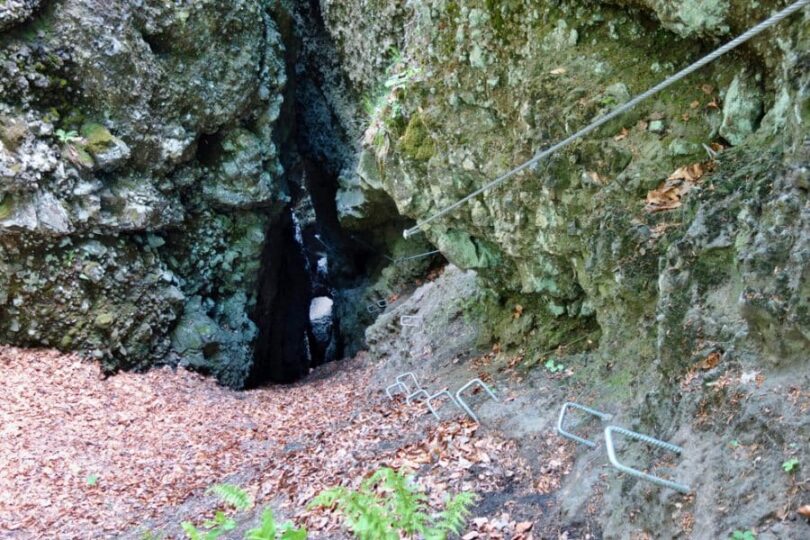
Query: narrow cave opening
(282, 352)
(313, 272)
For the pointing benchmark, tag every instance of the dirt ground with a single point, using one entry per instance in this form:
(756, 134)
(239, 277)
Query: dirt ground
(85, 457)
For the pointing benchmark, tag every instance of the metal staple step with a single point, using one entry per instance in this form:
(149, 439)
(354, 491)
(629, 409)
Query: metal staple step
(464, 405)
(604, 417)
(611, 451)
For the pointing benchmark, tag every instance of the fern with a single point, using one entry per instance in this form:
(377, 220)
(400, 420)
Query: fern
(388, 504)
(268, 529)
(232, 495)
(193, 533)
(235, 496)
(455, 513)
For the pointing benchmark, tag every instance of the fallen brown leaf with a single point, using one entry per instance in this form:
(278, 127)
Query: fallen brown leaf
(710, 362)
(804, 511)
(669, 194)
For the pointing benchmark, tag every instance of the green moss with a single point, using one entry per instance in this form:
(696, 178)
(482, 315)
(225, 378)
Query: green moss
(5, 206)
(104, 320)
(97, 137)
(494, 8)
(714, 266)
(416, 143)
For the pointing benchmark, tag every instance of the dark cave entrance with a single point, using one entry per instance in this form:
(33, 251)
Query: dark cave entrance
(308, 259)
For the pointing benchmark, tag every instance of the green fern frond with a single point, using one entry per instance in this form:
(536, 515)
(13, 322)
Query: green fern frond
(266, 530)
(388, 504)
(191, 531)
(456, 512)
(232, 495)
(328, 498)
(292, 533)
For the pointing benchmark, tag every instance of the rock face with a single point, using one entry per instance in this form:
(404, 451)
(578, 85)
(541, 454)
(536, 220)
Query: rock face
(178, 181)
(138, 175)
(581, 248)
(478, 87)
(151, 157)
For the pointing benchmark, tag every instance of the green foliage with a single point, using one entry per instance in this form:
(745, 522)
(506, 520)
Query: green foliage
(232, 495)
(743, 535)
(268, 530)
(235, 496)
(383, 104)
(67, 137)
(216, 528)
(91, 480)
(790, 466)
(552, 366)
(388, 504)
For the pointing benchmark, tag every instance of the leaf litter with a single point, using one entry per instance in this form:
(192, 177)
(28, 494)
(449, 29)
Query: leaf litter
(153, 442)
(669, 195)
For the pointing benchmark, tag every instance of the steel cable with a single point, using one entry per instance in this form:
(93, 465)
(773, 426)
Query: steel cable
(733, 44)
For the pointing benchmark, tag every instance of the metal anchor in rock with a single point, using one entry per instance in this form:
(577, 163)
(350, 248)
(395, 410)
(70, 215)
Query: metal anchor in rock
(604, 417)
(464, 405)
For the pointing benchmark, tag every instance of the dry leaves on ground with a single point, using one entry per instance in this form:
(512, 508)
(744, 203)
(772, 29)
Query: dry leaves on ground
(669, 195)
(86, 458)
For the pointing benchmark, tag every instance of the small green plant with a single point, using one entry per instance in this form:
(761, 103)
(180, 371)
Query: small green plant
(216, 528)
(743, 535)
(67, 137)
(222, 524)
(268, 530)
(383, 104)
(232, 495)
(553, 367)
(387, 504)
(91, 480)
(790, 465)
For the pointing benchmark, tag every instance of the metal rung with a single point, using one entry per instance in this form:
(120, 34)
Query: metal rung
(413, 377)
(413, 321)
(421, 391)
(611, 451)
(382, 304)
(464, 405)
(372, 308)
(436, 395)
(604, 417)
(395, 385)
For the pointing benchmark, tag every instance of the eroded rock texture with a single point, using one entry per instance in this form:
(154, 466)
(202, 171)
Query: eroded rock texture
(474, 88)
(568, 253)
(138, 175)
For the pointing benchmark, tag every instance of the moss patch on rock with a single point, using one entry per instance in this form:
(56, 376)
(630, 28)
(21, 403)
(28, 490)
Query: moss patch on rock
(416, 142)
